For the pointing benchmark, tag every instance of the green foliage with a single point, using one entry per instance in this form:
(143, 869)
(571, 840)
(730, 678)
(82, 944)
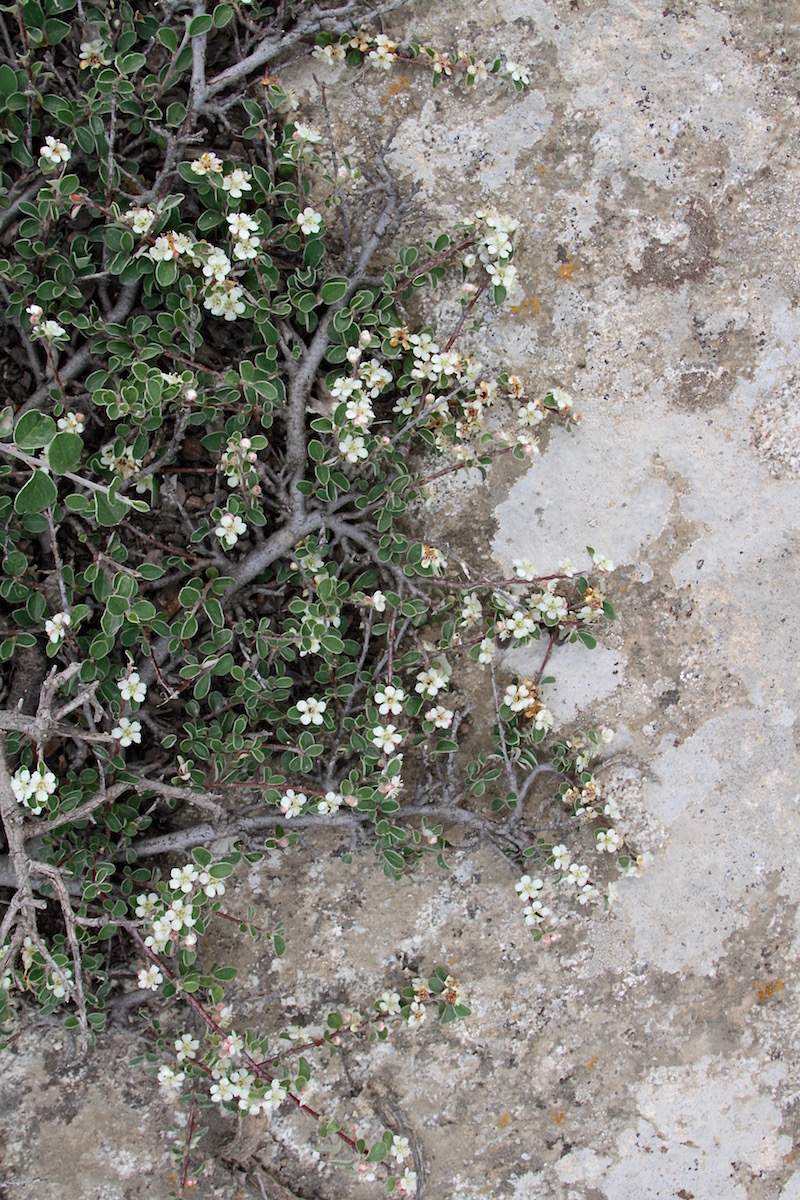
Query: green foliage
(209, 522)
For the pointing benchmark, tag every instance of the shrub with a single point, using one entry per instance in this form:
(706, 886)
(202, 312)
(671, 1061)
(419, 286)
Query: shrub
(221, 618)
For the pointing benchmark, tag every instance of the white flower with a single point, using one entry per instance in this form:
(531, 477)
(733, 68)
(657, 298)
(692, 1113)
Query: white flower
(329, 55)
(518, 73)
(611, 810)
(309, 221)
(225, 301)
(146, 904)
(150, 978)
(578, 874)
(49, 330)
(237, 182)
(384, 53)
(606, 734)
(54, 152)
(532, 413)
(56, 627)
(486, 648)
(72, 422)
(374, 377)
(230, 529)
(161, 935)
(35, 312)
(527, 888)
(353, 448)
(390, 700)
(386, 738)
(587, 894)
(217, 266)
(127, 731)
(407, 1185)
(562, 399)
(331, 803)
(183, 878)
(359, 412)
(211, 886)
(223, 1090)
(433, 558)
(33, 788)
(378, 602)
(503, 274)
(417, 1014)
(520, 696)
(441, 717)
(523, 568)
(561, 857)
(535, 912)
(553, 608)
(163, 249)
(345, 386)
(131, 688)
(207, 164)
(311, 711)
(431, 682)
(602, 563)
(241, 225)
(389, 1002)
(304, 133)
(140, 219)
(93, 54)
(274, 1096)
(293, 803)
(123, 465)
(608, 840)
(169, 1078)
(520, 624)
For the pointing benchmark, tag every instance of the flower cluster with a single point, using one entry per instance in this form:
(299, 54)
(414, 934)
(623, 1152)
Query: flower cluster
(229, 529)
(33, 788)
(238, 463)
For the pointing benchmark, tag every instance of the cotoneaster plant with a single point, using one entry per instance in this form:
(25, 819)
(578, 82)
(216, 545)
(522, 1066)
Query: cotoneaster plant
(223, 616)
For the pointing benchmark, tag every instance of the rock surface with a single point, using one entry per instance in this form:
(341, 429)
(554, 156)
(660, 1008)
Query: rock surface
(652, 1052)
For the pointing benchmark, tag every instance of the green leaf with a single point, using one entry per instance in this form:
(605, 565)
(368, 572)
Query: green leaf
(176, 113)
(38, 494)
(8, 81)
(201, 24)
(201, 856)
(166, 272)
(128, 64)
(214, 612)
(33, 430)
(108, 510)
(222, 16)
(279, 945)
(64, 452)
(56, 31)
(334, 289)
(168, 38)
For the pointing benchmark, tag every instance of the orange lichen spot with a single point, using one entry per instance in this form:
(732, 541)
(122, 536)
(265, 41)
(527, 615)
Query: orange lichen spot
(399, 85)
(592, 1063)
(504, 1121)
(768, 990)
(568, 269)
(529, 304)
(790, 1158)
(542, 170)
(559, 1118)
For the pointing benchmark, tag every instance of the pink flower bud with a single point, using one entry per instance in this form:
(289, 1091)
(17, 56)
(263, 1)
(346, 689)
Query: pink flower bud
(191, 394)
